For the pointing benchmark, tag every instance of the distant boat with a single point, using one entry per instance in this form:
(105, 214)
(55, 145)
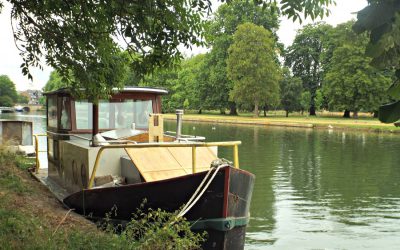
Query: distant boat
(7, 110)
(19, 108)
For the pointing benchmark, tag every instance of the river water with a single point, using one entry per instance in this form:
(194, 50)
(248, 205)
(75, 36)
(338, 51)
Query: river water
(315, 189)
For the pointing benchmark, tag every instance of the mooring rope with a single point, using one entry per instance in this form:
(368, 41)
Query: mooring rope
(193, 200)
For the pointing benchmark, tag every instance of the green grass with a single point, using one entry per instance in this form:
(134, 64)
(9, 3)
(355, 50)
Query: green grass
(323, 120)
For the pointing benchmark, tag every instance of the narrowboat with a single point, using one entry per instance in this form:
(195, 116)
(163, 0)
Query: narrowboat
(116, 154)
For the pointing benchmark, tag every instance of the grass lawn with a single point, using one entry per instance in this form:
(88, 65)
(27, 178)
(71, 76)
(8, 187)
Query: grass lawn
(326, 120)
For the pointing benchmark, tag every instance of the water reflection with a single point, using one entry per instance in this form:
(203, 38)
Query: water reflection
(318, 189)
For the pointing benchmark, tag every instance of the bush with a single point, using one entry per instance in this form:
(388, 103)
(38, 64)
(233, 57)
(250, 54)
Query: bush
(155, 229)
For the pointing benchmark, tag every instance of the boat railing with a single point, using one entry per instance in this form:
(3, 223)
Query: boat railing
(193, 145)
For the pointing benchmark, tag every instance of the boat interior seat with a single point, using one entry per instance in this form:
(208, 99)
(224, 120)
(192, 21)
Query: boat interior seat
(159, 163)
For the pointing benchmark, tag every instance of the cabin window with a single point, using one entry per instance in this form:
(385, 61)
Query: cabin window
(142, 110)
(52, 111)
(105, 109)
(84, 114)
(116, 115)
(65, 122)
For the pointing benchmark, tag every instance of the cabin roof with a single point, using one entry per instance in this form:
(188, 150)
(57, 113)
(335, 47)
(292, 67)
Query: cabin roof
(128, 89)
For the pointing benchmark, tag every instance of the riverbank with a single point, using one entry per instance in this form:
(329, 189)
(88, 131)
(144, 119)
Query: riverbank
(319, 122)
(31, 218)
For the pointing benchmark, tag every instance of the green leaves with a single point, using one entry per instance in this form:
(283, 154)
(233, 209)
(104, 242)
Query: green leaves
(389, 113)
(8, 93)
(252, 66)
(79, 38)
(308, 8)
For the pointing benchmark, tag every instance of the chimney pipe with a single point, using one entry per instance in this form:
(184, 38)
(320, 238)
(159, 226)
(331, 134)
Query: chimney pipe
(179, 114)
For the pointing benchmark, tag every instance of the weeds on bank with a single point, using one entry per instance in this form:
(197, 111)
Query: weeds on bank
(24, 226)
(155, 229)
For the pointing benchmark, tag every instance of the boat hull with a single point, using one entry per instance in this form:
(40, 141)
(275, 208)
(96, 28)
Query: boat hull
(222, 211)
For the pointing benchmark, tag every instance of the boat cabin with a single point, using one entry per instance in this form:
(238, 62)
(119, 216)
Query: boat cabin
(76, 127)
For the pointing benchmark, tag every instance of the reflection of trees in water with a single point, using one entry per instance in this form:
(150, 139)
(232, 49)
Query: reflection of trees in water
(346, 172)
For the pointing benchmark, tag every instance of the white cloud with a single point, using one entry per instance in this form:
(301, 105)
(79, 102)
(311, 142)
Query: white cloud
(10, 59)
(344, 11)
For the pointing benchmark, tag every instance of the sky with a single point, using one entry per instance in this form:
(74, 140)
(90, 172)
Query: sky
(10, 59)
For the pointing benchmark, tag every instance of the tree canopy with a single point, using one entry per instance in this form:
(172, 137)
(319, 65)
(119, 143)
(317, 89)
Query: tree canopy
(79, 38)
(304, 57)
(351, 83)
(381, 19)
(252, 66)
(216, 86)
(290, 88)
(8, 93)
(82, 40)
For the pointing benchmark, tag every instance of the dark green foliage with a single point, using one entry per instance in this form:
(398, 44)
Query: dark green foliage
(294, 9)
(291, 87)
(304, 57)
(381, 20)
(351, 83)
(6, 101)
(8, 93)
(77, 38)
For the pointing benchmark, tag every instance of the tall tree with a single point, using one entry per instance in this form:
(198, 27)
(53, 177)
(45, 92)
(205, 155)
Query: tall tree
(351, 83)
(304, 57)
(290, 87)
(252, 66)
(219, 31)
(8, 93)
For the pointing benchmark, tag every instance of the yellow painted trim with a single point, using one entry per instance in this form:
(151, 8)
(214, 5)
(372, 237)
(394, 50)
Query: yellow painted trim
(236, 156)
(193, 159)
(167, 144)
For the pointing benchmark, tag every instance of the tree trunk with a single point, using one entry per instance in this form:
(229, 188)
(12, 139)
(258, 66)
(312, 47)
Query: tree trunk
(355, 114)
(232, 109)
(376, 114)
(346, 113)
(256, 109)
(287, 113)
(199, 112)
(222, 111)
(312, 110)
(265, 110)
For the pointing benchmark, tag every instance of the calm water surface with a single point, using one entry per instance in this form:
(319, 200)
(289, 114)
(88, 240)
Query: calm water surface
(314, 189)
(317, 189)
